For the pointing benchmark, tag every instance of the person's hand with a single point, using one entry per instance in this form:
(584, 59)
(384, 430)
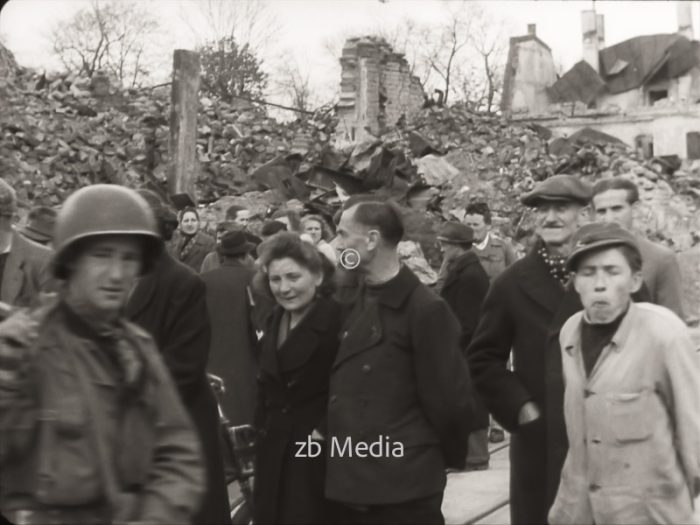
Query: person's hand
(20, 328)
(17, 333)
(528, 413)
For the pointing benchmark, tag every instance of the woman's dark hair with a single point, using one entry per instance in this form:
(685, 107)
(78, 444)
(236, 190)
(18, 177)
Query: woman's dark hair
(289, 245)
(188, 209)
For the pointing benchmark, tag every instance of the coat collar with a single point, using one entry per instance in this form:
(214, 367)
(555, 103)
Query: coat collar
(363, 328)
(458, 265)
(535, 280)
(394, 292)
(618, 341)
(301, 343)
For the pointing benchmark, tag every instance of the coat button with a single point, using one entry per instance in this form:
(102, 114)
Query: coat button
(593, 487)
(366, 368)
(587, 393)
(334, 399)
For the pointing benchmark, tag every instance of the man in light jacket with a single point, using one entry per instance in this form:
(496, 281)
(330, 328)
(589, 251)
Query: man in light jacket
(631, 398)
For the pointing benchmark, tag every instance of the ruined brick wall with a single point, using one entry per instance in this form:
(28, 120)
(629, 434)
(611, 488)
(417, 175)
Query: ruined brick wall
(376, 89)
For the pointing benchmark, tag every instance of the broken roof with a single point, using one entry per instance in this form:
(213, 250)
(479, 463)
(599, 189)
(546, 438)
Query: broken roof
(627, 66)
(641, 58)
(581, 82)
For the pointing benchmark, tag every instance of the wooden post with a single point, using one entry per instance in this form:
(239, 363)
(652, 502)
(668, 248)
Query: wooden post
(183, 123)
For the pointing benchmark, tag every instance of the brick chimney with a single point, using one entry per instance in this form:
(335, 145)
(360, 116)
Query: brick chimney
(589, 22)
(600, 28)
(685, 19)
(532, 29)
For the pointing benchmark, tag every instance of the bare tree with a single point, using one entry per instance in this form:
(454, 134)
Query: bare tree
(250, 23)
(442, 50)
(488, 39)
(294, 84)
(111, 36)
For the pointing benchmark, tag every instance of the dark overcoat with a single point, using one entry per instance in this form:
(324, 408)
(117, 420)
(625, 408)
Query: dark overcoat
(26, 272)
(195, 251)
(525, 309)
(232, 351)
(170, 303)
(292, 402)
(399, 377)
(464, 289)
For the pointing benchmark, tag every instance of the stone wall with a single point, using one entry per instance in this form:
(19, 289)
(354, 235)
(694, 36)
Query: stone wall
(376, 90)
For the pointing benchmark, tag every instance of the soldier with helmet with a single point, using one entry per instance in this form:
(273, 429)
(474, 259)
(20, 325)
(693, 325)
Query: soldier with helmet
(91, 427)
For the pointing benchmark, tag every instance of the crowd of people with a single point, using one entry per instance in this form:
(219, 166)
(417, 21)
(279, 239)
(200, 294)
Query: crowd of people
(365, 386)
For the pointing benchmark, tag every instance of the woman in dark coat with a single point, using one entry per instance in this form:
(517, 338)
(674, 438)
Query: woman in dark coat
(297, 352)
(170, 303)
(191, 245)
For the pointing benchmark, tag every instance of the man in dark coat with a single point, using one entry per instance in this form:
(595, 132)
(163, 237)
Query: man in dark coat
(399, 381)
(464, 289)
(232, 352)
(524, 310)
(24, 264)
(170, 303)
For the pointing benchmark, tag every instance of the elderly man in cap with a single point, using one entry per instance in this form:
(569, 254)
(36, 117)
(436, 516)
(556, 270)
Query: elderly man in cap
(631, 400)
(464, 289)
(524, 310)
(24, 264)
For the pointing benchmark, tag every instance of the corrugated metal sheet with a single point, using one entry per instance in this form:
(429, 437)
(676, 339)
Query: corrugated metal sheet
(580, 83)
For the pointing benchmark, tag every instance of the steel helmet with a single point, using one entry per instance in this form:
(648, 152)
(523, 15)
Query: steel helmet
(104, 209)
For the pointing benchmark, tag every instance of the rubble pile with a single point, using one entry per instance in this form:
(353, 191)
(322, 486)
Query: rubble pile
(57, 134)
(471, 157)
(60, 133)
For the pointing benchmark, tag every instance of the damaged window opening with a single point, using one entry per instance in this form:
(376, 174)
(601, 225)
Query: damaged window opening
(644, 145)
(657, 95)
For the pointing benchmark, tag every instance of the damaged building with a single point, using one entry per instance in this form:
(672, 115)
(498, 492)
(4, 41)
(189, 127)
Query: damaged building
(645, 90)
(377, 89)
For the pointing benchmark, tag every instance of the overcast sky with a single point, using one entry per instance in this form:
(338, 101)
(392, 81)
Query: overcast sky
(305, 26)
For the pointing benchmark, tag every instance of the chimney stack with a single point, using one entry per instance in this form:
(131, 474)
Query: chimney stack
(589, 22)
(532, 29)
(685, 19)
(600, 28)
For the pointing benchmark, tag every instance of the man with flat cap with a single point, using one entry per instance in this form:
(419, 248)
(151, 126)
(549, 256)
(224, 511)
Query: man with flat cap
(631, 399)
(524, 310)
(24, 264)
(465, 286)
